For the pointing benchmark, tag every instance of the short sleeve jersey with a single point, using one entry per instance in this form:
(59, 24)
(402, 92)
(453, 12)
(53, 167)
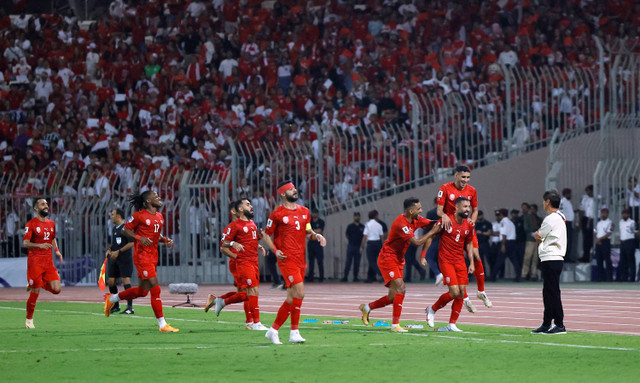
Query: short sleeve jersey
(37, 231)
(118, 240)
(448, 194)
(453, 241)
(401, 232)
(148, 225)
(246, 234)
(289, 230)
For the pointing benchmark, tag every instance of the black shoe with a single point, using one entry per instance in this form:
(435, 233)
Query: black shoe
(557, 330)
(115, 309)
(541, 330)
(129, 311)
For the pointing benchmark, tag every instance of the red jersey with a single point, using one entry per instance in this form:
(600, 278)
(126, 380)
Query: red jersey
(148, 225)
(448, 194)
(246, 234)
(401, 231)
(37, 231)
(453, 241)
(289, 230)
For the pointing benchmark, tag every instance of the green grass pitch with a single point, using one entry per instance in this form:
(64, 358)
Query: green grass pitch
(75, 342)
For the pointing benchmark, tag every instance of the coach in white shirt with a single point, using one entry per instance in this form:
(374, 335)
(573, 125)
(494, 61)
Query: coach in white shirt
(508, 246)
(566, 208)
(628, 235)
(552, 248)
(373, 238)
(602, 235)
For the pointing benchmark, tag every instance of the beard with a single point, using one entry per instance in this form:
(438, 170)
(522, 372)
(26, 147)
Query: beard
(157, 205)
(248, 214)
(43, 213)
(291, 198)
(464, 214)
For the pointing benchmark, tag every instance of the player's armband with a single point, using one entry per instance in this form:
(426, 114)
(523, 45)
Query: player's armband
(308, 227)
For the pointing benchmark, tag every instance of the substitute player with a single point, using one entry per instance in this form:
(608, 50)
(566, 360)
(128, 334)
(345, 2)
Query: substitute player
(391, 260)
(242, 236)
(39, 238)
(447, 194)
(120, 260)
(144, 227)
(453, 242)
(289, 224)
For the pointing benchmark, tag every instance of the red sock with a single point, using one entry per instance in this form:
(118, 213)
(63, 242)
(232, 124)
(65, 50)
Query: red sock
(384, 301)
(296, 305)
(255, 309)
(442, 301)
(465, 293)
(283, 314)
(31, 304)
(397, 308)
(133, 293)
(479, 273)
(156, 302)
(49, 289)
(456, 307)
(227, 295)
(247, 311)
(238, 297)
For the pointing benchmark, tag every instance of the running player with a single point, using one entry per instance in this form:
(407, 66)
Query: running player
(453, 242)
(39, 238)
(447, 194)
(289, 224)
(144, 227)
(242, 236)
(120, 264)
(391, 260)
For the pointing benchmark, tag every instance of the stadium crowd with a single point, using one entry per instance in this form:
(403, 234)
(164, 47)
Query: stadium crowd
(163, 86)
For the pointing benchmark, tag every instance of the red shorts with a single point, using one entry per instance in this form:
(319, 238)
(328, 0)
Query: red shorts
(146, 270)
(40, 271)
(454, 273)
(292, 274)
(248, 275)
(233, 271)
(390, 268)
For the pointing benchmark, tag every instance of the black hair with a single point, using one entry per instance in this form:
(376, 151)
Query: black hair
(36, 199)
(314, 210)
(553, 197)
(409, 202)
(525, 204)
(373, 214)
(460, 200)
(139, 200)
(462, 169)
(119, 212)
(566, 191)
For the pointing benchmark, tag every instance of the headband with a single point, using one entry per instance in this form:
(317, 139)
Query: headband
(284, 188)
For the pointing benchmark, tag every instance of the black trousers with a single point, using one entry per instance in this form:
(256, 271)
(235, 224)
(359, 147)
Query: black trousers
(587, 238)
(551, 298)
(373, 249)
(627, 265)
(570, 256)
(484, 250)
(511, 252)
(411, 262)
(315, 253)
(603, 258)
(353, 258)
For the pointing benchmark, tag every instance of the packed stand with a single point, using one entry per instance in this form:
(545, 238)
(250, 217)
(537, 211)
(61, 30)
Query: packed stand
(162, 87)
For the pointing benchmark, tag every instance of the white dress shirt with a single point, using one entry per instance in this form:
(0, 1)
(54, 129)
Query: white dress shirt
(566, 207)
(586, 205)
(633, 200)
(508, 229)
(373, 230)
(603, 227)
(627, 229)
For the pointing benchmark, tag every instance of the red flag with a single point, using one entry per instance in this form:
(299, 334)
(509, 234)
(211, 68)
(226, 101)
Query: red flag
(102, 278)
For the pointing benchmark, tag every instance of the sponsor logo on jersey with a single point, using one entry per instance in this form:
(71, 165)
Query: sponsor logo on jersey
(452, 196)
(118, 240)
(285, 219)
(38, 229)
(148, 222)
(245, 229)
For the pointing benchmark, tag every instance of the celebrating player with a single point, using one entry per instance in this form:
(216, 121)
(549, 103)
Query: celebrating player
(391, 260)
(289, 224)
(453, 241)
(39, 238)
(242, 236)
(144, 227)
(447, 194)
(120, 264)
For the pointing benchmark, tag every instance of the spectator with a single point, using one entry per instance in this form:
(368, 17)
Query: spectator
(373, 236)
(508, 246)
(602, 236)
(531, 223)
(566, 208)
(586, 223)
(354, 234)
